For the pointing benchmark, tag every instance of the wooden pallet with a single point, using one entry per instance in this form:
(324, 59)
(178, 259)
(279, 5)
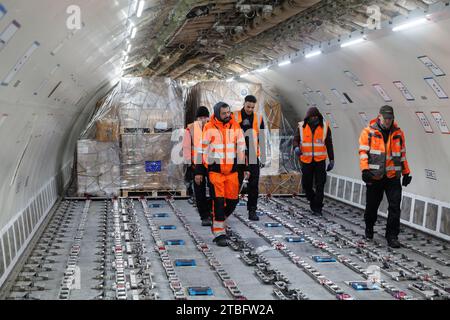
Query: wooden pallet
(154, 193)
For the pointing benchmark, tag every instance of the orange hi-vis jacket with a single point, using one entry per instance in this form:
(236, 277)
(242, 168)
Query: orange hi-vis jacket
(313, 147)
(383, 158)
(192, 143)
(257, 120)
(223, 146)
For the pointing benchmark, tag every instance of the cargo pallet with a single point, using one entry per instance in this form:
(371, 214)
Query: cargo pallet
(153, 193)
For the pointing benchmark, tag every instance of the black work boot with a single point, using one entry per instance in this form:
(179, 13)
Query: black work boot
(394, 243)
(252, 215)
(206, 222)
(221, 240)
(369, 233)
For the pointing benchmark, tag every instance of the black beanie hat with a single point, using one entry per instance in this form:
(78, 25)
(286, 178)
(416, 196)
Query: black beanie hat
(250, 98)
(202, 112)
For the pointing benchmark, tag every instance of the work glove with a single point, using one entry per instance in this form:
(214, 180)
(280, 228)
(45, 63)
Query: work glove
(406, 180)
(261, 165)
(297, 151)
(330, 165)
(367, 176)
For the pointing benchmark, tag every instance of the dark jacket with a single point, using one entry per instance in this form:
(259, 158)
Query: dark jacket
(313, 111)
(247, 123)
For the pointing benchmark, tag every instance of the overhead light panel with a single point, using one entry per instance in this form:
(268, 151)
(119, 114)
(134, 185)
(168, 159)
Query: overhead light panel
(352, 42)
(133, 33)
(245, 75)
(133, 8)
(238, 29)
(245, 8)
(220, 29)
(284, 63)
(230, 80)
(140, 8)
(267, 9)
(410, 25)
(262, 70)
(129, 47)
(313, 54)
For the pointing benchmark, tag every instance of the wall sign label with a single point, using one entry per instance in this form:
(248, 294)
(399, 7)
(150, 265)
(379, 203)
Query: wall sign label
(354, 78)
(424, 121)
(432, 66)
(309, 99)
(364, 119)
(440, 121)
(404, 90)
(20, 63)
(332, 120)
(8, 33)
(339, 96)
(436, 88)
(323, 97)
(382, 92)
(430, 174)
(3, 118)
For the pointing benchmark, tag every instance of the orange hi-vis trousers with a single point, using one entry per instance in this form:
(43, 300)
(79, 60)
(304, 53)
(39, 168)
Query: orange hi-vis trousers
(225, 195)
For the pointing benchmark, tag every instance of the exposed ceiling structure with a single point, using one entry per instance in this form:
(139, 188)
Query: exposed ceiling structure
(210, 40)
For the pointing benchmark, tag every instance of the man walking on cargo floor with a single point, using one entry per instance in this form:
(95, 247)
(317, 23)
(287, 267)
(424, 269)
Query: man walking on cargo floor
(223, 148)
(313, 143)
(192, 152)
(253, 126)
(382, 153)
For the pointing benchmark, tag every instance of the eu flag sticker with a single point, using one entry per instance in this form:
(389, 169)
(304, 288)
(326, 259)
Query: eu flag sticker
(152, 166)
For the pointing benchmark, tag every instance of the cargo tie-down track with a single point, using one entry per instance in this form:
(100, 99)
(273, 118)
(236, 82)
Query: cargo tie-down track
(156, 249)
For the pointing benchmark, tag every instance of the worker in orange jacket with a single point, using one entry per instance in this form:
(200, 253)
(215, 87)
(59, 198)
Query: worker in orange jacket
(223, 151)
(252, 125)
(313, 144)
(382, 152)
(192, 152)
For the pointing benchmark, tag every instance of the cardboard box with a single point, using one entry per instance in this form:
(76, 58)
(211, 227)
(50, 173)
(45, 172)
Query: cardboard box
(107, 130)
(147, 163)
(286, 183)
(98, 168)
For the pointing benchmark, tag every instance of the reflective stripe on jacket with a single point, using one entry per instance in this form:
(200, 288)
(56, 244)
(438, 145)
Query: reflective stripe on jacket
(383, 158)
(313, 147)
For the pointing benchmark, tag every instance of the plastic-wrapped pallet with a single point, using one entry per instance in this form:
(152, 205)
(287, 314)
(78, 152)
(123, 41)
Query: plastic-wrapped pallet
(285, 183)
(133, 147)
(144, 103)
(147, 163)
(98, 168)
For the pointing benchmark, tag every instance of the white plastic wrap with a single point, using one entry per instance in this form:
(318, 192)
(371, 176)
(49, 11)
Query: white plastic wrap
(127, 144)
